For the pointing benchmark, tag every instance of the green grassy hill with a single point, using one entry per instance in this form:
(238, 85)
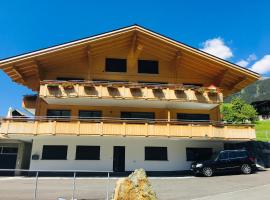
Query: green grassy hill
(263, 130)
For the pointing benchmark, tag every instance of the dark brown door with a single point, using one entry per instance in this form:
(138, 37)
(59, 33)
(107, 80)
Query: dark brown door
(118, 158)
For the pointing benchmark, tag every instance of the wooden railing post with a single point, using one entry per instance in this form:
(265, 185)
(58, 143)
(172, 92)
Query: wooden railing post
(78, 128)
(77, 90)
(53, 127)
(7, 127)
(147, 130)
(124, 92)
(145, 93)
(211, 131)
(125, 129)
(191, 130)
(168, 130)
(225, 131)
(167, 95)
(35, 130)
(100, 91)
(249, 132)
(46, 90)
(101, 128)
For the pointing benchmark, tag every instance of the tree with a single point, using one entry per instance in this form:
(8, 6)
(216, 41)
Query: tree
(238, 111)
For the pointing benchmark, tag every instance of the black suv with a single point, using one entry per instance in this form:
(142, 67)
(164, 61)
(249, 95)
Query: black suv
(227, 160)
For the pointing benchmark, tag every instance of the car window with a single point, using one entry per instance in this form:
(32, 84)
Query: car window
(237, 154)
(223, 156)
(233, 154)
(242, 154)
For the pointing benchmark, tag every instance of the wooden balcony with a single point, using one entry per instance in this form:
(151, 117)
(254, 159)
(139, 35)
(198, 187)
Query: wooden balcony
(29, 103)
(112, 127)
(124, 90)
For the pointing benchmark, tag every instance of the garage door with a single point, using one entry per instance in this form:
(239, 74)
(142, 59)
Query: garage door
(8, 157)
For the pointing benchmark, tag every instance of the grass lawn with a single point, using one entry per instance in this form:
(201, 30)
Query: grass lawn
(263, 130)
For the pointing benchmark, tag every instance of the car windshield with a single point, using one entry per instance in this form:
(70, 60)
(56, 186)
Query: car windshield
(214, 156)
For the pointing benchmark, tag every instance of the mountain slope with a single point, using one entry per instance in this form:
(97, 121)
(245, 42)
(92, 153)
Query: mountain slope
(260, 90)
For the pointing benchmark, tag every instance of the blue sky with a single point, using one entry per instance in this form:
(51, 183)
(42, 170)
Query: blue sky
(238, 31)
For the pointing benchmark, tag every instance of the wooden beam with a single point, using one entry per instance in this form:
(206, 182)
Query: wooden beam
(134, 52)
(19, 75)
(176, 64)
(237, 84)
(133, 43)
(220, 77)
(40, 72)
(89, 57)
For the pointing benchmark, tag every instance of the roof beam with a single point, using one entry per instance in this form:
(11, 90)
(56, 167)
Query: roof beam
(40, 72)
(176, 64)
(135, 51)
(18, 74)
(220, 77)
(89, 58)
(237, 85)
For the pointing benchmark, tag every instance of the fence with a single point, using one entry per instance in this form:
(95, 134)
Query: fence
(67, 186)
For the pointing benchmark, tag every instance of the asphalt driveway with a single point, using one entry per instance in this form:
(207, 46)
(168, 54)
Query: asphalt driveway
(230, 187)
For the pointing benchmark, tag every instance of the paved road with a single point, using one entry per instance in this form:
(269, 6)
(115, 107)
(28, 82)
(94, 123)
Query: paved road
(255, 186)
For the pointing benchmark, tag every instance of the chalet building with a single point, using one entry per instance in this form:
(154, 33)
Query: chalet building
(262, 108)
(121, 100)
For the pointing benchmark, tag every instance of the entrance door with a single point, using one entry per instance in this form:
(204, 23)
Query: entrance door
(118, 158)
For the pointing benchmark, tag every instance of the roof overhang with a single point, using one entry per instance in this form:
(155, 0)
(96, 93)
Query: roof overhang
(26, 68)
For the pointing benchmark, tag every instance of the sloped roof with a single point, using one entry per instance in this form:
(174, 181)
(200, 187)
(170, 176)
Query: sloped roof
(25, 68)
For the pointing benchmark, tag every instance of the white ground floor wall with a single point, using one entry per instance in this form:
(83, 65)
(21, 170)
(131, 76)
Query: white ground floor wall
(134, 152)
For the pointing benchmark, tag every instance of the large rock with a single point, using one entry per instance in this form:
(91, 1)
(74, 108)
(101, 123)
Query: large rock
(135, 187)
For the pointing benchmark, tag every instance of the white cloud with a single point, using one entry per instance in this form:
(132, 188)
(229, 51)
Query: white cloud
(242, 63)
(217, 47)
(246, 62)
(262, 66)
(251, 57)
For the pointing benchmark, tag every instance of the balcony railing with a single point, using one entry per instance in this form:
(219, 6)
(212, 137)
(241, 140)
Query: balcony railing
(127, 90)
(120, 127)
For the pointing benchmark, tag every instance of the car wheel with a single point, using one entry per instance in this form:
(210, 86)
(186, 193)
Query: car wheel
(207, 171)
(246, 169)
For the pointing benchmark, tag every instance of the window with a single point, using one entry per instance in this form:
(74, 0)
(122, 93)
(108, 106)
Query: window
(223, 156)
(115, 65)
(58, 113)
(137, 115)
(54, 152)
(192, 117)
(156, 153)
(237, 154)
(8, 150)
(198, 154)
(88, 153)
(148, 66)
(89, 114)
